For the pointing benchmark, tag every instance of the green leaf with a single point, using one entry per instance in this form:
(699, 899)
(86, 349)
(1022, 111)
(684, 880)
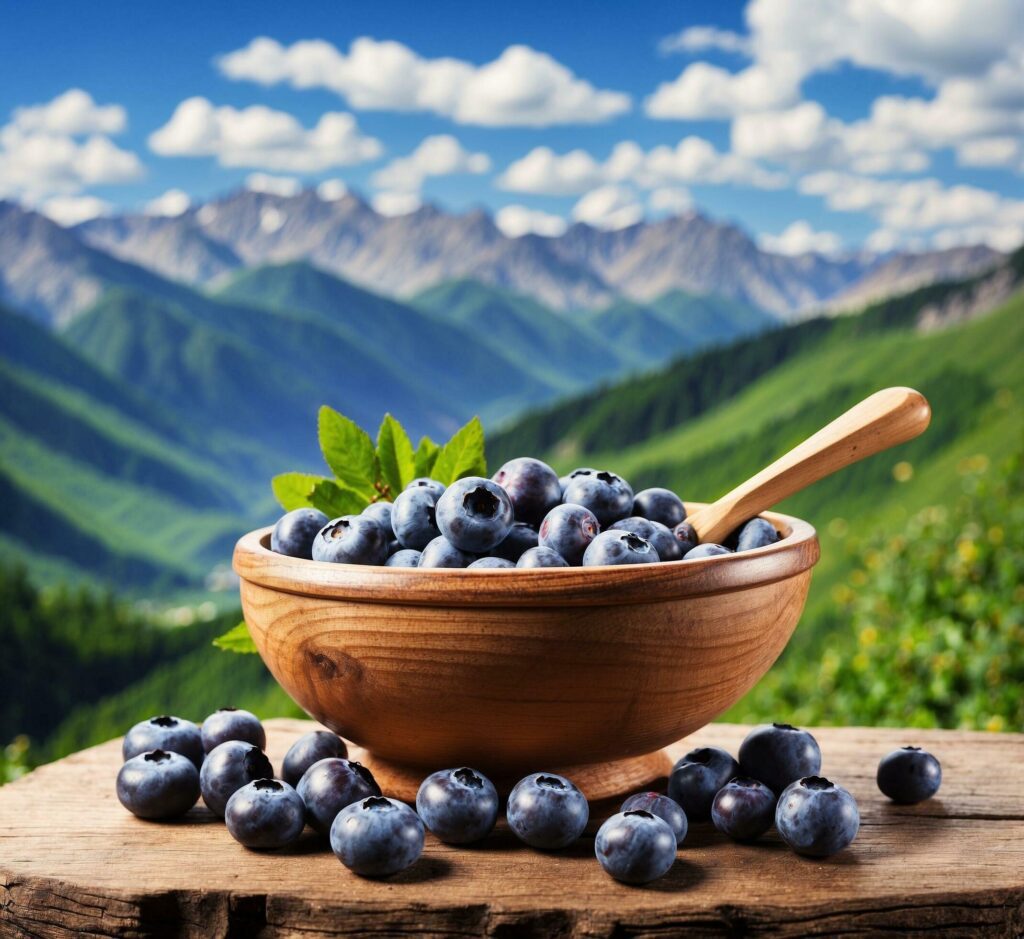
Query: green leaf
(349, 452)
(334, 500)
(294, 490)
(426, 456)
(463, 455)
(236, 639)
(394, 456)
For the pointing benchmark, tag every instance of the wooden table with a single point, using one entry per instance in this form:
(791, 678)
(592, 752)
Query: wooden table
(73, 862)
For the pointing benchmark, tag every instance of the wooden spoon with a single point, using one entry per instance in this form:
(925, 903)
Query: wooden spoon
(886, 418)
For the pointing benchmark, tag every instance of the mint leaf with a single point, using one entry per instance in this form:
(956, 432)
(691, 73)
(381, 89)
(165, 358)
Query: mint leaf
(349, 452)
(334, 500)
(236, 639)
(426, 456)
(394, 456)
(294, 490)
(463, 455)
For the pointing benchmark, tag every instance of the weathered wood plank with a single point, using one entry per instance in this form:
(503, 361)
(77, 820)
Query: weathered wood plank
(73, 862)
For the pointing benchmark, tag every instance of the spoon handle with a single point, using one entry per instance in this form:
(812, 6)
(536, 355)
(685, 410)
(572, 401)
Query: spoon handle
(886, 418)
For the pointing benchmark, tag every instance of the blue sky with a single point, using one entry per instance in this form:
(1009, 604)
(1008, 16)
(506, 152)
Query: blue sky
(829, 123)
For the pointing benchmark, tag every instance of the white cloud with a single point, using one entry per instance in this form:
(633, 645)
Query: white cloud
(609, 207)
(919, 207)
(260, 136)
(706, 91)
(1005, 152)
(71, 210)
(518, 220)
(73, 113)
(439, 155)
(284, 186)
(171, 204)
(692, 161)
(396, 203)
(522, 87)
(800, 238)
(700, 38)
(330, 190)
(669, 200)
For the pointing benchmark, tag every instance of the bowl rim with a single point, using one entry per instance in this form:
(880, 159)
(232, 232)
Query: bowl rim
(797, 551)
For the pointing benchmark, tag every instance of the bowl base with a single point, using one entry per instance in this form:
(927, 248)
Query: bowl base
(604, 784)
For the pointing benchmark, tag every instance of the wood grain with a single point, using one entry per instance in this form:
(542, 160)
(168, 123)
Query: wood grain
(513, 670)
(883, 420)
(72, 862)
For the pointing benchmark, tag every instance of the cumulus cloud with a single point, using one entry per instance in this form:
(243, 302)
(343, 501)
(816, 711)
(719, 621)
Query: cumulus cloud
(800, 238)
(919, 207)
(1007, 152)
(285, 186)
(693, 160)
(439, 155)
(609, 207)
(73, 113)
(260, 136)
(706, 91)
(396, 203)
(518, 220)
(171, 204)
(72, 210)
(701, 38)
(522, 87)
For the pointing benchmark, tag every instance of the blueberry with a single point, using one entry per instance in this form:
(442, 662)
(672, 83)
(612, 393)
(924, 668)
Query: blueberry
(756, 533)
(459, 806)
(619, 547)
(474, 514)
(294, 532)
(815, 817)
(743, 809)
(697, 777)
(521, 537)
(442, 553)
(266, 813)
(413, 517)
(309, 749)
(165, 733)
(659, 505)
(351, 539)
(657, 534)
(563, 481)
(233, 724)
(229, 767)
(377, 837)
(532, 486)
(158, 784)
(636, 847)
(686, 535)
(541, 557)
(608, 496)
(380, 512)
(778, 754)
(909, 775)
(568, 530)
(331, 784)
(709, 550)
(404, 558)
(491, 563)
(663, 807)
(423, 483)
(547, 811)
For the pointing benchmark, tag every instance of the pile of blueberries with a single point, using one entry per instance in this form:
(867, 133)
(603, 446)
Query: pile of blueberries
(525, 516)
(170, 762)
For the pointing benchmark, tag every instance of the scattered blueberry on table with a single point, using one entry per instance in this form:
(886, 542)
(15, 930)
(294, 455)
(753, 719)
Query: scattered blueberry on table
(743, 809)
(459, 806)
(547, 811)
(817, 818)
(165, 733)
(665, 808)
(377, 837)
(227, 768)
(636, 846)
(232, 724)
(264, 814)
(309, 749)
(778, 754)
(909, 775)
(158, 784)
(697, 777)
(330, 785)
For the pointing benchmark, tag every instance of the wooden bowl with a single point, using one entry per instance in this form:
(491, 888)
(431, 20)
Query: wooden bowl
(585, 671)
